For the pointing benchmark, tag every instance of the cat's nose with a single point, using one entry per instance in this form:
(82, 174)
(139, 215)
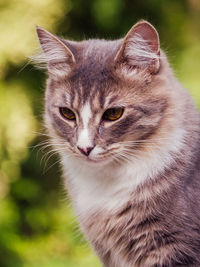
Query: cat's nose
(85, 150)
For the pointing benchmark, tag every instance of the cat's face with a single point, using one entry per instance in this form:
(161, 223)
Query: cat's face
(99, 101)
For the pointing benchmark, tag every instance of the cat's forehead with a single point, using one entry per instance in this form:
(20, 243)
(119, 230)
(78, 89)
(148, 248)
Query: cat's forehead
(98, 50)
(95, 59)
(101, 91)
(93, 79)
(96, 96)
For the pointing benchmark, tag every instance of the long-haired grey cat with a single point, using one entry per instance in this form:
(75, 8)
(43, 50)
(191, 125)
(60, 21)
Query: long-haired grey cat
(128, 135)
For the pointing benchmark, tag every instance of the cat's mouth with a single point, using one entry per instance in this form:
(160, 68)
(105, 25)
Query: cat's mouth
(92, 159)
(95, 160)
(103, 157)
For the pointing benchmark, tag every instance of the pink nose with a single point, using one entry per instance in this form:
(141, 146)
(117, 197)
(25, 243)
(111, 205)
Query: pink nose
(85, 150)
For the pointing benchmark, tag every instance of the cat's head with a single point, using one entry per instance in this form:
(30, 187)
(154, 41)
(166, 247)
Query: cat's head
(103, 98)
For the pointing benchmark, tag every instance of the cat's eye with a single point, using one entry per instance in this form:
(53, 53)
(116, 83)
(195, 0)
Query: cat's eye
(113, 114)
(67, 113)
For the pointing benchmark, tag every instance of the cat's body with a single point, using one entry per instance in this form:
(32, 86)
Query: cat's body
(129, 139)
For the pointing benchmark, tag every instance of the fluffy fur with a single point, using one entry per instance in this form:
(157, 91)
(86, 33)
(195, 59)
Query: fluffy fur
(137, 193)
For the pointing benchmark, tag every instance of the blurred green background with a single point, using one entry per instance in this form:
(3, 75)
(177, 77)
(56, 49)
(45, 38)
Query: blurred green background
(37, 225)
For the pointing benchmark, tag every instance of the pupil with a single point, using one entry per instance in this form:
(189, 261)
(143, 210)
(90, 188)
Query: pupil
(67, 113)
(112, 114)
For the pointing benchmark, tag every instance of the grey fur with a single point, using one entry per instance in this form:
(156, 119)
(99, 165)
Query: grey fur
(159, 226)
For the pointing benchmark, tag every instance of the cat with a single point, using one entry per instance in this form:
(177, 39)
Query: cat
(128, 135)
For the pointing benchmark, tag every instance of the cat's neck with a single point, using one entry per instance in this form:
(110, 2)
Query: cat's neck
(94, 187)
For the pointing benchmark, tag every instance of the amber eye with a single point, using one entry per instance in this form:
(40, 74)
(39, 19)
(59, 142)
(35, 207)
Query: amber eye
(113, 114)
(67, 113)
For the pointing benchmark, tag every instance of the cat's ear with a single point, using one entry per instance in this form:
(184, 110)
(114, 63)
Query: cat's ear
(140, 48)
(56, 55)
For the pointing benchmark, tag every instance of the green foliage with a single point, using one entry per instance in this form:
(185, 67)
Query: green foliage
(37, 226)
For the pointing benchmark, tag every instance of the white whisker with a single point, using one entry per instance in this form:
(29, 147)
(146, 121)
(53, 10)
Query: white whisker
(58, 161)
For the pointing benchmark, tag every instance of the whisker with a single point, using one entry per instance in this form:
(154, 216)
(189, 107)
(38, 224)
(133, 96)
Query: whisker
(58, 161)
(139, 143)
(115, 158)
(144, 141)
(125, 157)
(47, 160)
(149, 146)
(49, 155)
(42, 143)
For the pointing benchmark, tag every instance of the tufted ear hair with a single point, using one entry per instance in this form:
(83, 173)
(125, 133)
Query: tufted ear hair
(140, 48)
(56, 56)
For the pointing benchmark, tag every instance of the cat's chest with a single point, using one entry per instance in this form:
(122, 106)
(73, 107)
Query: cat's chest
(123, 238)
(96, 188)
(106, 187)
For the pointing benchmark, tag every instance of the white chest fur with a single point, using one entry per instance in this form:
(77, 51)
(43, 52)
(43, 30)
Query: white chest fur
(93, 187)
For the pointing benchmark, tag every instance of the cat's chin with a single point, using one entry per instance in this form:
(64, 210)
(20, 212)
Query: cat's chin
(95, 161)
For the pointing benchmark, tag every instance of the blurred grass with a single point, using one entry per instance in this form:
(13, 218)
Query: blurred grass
(37, 226)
